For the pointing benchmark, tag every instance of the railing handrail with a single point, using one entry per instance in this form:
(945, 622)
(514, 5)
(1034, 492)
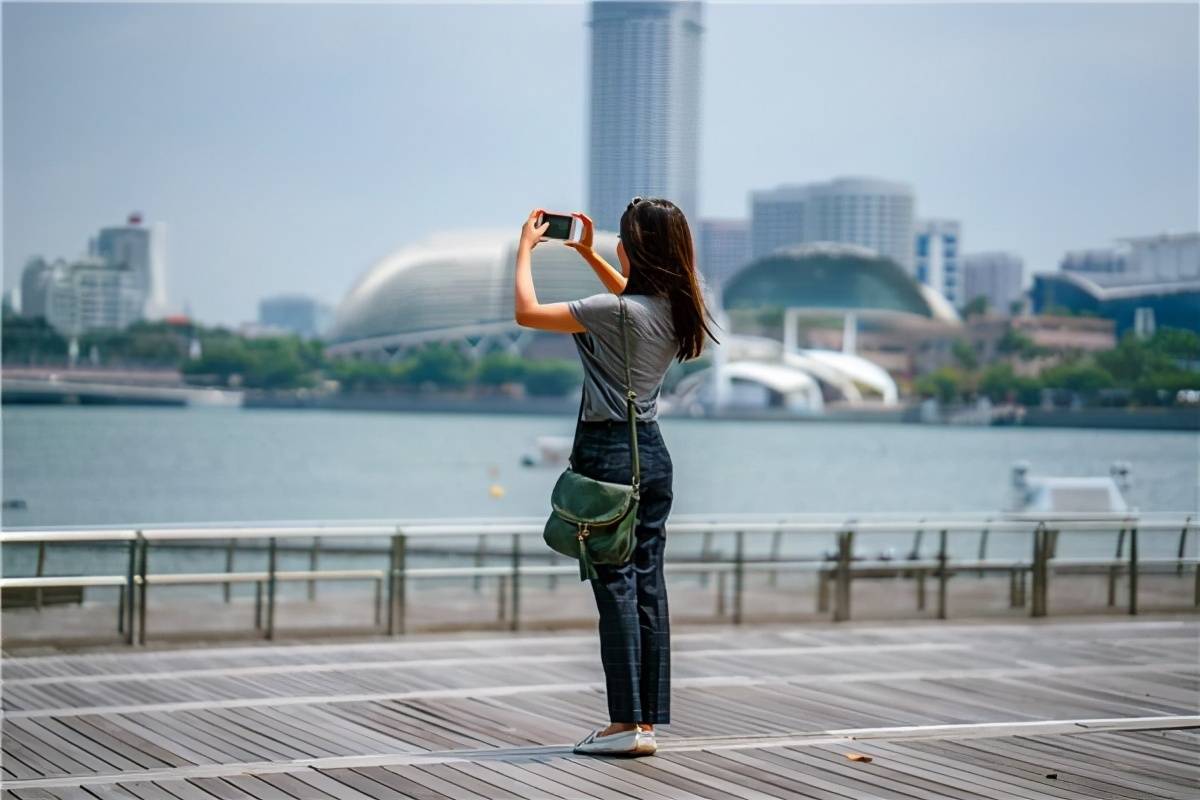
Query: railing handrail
(690, 523)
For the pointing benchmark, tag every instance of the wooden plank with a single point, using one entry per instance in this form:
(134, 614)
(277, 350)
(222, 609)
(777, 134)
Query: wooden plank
(383, 785)
(308, 783)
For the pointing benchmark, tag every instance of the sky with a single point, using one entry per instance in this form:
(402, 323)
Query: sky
(289, 147)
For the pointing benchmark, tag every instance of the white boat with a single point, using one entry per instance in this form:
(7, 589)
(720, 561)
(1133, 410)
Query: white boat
(1099, 493)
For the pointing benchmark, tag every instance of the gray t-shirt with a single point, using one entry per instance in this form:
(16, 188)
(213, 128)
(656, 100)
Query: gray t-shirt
(652, 345)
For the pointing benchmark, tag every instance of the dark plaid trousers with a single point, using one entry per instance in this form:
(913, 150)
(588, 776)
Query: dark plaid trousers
(635, 636)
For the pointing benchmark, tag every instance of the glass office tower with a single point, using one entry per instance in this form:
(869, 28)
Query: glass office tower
(645, 106)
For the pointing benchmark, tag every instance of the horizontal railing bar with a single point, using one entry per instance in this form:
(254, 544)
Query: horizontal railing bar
(697, 567)
(50, 581)
(1172, 521)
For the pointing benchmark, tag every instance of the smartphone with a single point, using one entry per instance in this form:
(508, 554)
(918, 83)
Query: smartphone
(560, 225)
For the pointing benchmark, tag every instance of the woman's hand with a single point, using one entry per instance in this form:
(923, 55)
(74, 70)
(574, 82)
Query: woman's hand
(584, 245)
(531, 232)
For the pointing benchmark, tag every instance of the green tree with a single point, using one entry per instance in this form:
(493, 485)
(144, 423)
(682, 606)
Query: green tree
(945, 383)
(498, 368)
(977, 307)
(551, 378)
(440, 366)
(965, 354)
(31, 340)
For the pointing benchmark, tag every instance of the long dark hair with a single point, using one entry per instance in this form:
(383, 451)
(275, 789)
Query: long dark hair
(662, 262)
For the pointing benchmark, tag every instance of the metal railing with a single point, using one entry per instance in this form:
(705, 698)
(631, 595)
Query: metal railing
(835, 574)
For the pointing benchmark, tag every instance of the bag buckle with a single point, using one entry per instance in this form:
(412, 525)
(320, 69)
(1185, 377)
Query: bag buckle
(583, 531)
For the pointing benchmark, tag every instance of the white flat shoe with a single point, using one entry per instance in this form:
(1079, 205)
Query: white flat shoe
(626, 743)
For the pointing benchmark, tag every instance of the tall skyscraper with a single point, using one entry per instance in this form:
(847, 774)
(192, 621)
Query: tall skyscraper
(645, 106)
(935, 247)
(996, 276)
(850, 210)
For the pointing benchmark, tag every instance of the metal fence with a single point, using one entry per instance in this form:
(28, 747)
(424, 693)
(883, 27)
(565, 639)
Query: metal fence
(1028, 578)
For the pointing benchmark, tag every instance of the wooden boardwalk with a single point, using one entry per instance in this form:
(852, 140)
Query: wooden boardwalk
(1078, 709)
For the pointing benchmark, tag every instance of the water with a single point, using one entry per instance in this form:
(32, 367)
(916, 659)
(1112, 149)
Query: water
(131, 466)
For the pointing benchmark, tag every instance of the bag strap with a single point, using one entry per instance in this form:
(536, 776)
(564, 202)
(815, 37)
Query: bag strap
(629, 396)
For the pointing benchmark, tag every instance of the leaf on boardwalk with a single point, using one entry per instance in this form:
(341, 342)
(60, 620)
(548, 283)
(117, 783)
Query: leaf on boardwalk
(859, 757)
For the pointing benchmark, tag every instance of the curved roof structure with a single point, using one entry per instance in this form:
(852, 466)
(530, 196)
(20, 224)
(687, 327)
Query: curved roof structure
(458, 281)
(833, 276)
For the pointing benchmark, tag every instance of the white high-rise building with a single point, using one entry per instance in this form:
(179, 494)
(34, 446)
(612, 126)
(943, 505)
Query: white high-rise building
(995, 276)
(936, 254)
(868, 212)
(645, 106)
(91, 294)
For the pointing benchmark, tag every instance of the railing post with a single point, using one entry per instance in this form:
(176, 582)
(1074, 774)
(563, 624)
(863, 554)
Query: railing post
(230, 549)
(942, 576)
(41, 572)
(739, 575)
(1133, 569)
(130, 592)
(841, 594)
(776, 543)
(479, 549)
(983, 539)
(378, 602)
(313, 561)
(143, 558)
(705, 555)
(1182, 544)
(271, 564)
(258, 606)
(396, 585)
(515, 622)
(1039, 556)
(1112, 571)
(720, 593)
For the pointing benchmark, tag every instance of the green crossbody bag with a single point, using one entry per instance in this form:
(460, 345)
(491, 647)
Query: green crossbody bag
(593, 520)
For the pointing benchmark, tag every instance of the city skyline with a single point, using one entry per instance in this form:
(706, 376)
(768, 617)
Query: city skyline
(282, 157)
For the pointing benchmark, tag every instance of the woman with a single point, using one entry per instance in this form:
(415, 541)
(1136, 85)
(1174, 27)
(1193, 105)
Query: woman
(666, 312)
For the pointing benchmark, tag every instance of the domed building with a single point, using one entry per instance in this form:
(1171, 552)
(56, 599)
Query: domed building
(457, 286)
(761, 369)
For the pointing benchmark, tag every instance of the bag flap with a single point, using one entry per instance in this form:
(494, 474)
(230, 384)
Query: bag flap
(578, 498)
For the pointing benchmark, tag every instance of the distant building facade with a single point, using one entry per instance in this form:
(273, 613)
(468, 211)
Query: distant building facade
(936, 247)
(872, 213)
(722, 249)
(1141, 284)
(91, 294)
(997, 277)
(107, 289)
(645, 66)
(304, 316)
